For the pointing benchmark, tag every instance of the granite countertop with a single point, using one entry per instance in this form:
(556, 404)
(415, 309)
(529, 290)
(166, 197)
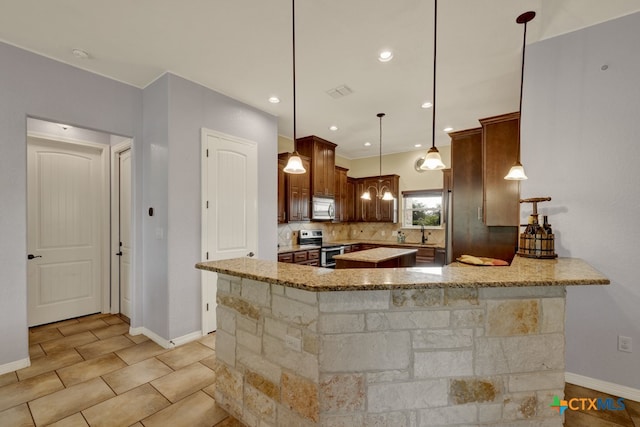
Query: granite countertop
(521, 272)
(375, 255)
(390, 243)
(295, 248)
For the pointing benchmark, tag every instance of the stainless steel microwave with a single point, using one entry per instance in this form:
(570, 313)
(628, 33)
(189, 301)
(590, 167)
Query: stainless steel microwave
(323, 208)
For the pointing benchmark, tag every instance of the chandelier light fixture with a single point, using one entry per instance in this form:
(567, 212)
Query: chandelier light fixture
(433, 161)
(294, 164)
(382, 191)
(516, 173)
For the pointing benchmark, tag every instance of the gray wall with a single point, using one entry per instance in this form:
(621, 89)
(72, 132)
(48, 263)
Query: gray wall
(580, 146)
(31, 85)
(173, 188)
(154, 293)
(166, 176)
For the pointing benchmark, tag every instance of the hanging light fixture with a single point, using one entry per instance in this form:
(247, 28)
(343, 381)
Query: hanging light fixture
(382, 191)
(294, 164)
(433, 161)
(516, 173)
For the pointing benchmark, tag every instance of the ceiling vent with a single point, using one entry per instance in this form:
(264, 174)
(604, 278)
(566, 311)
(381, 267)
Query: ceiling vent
(339, 92)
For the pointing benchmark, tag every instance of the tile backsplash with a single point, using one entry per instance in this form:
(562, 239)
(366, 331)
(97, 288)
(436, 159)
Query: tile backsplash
(288, 233)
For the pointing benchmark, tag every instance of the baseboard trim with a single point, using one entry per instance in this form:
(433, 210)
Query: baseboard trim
(603, 386)
(164, 343)
(187, 338)
(14, 366)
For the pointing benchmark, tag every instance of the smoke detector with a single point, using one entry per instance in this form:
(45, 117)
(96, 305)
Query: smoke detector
(80, 54)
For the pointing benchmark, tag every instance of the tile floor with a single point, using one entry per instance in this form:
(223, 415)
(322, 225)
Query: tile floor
(91, 372)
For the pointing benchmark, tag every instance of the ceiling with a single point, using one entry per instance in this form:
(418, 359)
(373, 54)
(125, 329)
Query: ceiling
(243, 48)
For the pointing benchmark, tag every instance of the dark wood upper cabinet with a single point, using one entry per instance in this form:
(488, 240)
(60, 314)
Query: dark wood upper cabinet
(282, 190)
(376, 209)
(298, 194)
(323, 161)
(499, 152)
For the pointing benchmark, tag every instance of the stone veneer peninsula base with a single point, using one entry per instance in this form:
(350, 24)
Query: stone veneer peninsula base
(437, 352)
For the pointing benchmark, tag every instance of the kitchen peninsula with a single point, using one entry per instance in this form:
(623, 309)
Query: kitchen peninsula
(306, 346)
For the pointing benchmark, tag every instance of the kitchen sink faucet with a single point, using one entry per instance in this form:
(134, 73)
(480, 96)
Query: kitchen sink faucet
(424, 238)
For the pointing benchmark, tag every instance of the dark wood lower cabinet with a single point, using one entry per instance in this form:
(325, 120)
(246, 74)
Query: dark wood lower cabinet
(302, 257)
(425, 256)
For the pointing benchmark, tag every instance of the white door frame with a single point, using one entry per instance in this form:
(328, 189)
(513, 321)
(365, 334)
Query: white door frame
(115, 225)
(207, 298)
(104, 207)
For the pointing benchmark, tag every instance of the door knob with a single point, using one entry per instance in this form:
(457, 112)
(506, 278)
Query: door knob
(32, 256)
(250, 254)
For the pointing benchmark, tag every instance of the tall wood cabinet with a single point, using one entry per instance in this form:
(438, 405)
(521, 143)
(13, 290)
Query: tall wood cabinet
(341, 195)
(501, 197)
(282, 195)
(323, 162)
(470, 235)
(351, 200)
(297, 194)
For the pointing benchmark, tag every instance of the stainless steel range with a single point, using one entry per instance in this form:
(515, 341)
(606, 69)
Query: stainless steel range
(327, 251)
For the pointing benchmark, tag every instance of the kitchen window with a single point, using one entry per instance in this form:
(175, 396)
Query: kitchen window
(422, 208)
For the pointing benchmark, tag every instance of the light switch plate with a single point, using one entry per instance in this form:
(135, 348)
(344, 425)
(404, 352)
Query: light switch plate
(625, 344)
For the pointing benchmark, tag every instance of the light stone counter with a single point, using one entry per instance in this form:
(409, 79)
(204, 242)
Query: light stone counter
(456, 346)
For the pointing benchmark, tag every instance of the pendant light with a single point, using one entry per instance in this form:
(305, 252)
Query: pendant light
(516, 173)
(294, 164)
(382, 191)
(432, 160)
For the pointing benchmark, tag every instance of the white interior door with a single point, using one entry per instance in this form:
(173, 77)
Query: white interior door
(124, 193)
(230, 205)
(64, 232)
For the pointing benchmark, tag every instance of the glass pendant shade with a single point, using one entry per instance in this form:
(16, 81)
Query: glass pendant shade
(432, 160)
(382, 191)
(387, 195)
(294, 165)
(516, 173)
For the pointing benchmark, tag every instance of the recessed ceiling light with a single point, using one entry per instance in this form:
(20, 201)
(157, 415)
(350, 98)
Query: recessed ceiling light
(367, 144)
(385, 56)
(417, 145)
(333, 128)
(80, 54)
(274, 100)
(426, 105)
(448, 129)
